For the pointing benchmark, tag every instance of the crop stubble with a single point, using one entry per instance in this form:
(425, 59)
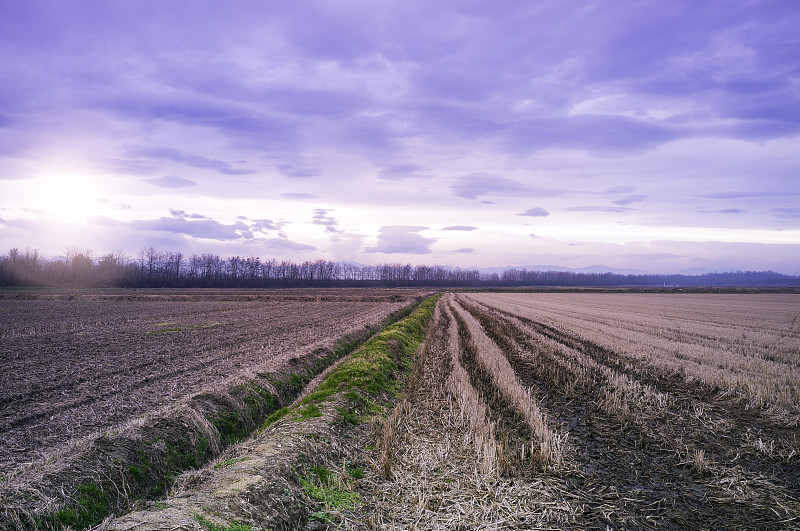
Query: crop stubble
(651, 411)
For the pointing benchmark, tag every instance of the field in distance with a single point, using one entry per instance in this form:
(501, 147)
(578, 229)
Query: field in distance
(597, 411)
(83, 361)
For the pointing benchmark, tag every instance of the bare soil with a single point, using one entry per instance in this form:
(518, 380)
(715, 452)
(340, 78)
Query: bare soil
(77, 362)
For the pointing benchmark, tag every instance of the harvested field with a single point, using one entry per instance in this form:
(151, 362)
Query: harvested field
(598, 428)
(531, 411)
(78, 364)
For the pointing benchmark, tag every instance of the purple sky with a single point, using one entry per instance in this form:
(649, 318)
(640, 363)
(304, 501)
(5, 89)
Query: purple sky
(653, 135)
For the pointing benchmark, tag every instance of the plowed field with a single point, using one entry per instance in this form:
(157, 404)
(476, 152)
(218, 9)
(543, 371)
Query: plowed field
(77, 362)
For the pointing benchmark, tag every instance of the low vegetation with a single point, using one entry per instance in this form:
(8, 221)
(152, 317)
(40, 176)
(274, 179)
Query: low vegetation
(511, 411)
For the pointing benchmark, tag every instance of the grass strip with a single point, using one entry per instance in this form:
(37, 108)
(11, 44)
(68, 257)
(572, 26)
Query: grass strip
(372, 367)
(378, 367)
(375, 372)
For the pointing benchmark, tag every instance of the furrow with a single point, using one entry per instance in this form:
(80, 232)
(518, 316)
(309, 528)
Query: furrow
(642, 450)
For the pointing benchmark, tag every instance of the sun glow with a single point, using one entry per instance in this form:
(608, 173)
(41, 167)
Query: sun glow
(69, 197)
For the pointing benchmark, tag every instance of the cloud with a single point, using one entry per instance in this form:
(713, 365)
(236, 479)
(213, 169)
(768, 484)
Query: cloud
(461, 227)
(402, 239)
(597, 208)
(121, 206)
(535, 212)
(183, 214)
(328, 103)
(195, 161)
(625, 189)
(321, 217)
(478, 184)
(199, 226)
(171, 181)
(727, 211)
(747, 194)
(346, 246)
(155, 100)
(464, 250)
(595, 133)
(630, 199)
(786, 212)
(649, 93)
(284, 244)
(264, 225)
(398, 172)
(204, 228)
(287, 170)
(298, 195)
(136, 167)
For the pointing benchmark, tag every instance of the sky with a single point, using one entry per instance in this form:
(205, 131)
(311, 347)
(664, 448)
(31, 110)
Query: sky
(652, 136)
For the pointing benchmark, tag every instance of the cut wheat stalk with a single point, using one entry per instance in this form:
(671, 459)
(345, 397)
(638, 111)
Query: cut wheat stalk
(550, 444)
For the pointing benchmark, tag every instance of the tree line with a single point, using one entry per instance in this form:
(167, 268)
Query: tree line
(153, 268)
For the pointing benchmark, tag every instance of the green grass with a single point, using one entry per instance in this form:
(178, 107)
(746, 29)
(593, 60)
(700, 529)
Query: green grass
(377, 367)
(90, 508)
(309, 412)
(275, 417)
(374, 367)
(356, 472)
(236, 426)
(333, 491)
(153, 470)
(350, 417)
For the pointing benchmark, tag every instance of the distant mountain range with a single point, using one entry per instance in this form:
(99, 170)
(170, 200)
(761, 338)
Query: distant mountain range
(587, 269)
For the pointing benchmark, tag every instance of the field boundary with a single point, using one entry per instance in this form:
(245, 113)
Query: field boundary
(105, 474)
